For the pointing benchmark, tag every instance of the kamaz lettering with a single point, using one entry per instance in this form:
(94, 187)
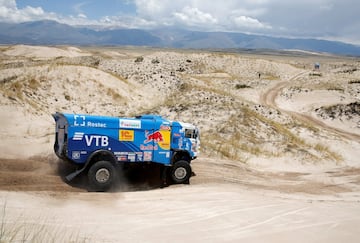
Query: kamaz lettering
(100, 145)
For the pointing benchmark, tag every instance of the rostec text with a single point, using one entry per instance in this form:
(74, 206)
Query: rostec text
(98, 140)
(96, 124)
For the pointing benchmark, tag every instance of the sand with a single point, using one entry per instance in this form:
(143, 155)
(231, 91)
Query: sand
(298, 178)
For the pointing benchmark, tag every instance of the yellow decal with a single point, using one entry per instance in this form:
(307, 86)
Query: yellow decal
(165, 143)
(126, 135)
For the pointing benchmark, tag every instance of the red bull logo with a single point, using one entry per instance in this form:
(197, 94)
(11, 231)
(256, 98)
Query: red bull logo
(156, 137)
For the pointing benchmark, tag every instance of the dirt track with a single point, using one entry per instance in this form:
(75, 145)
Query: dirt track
(224, 201)
(44, 174)
(268, 99)
(37, 174)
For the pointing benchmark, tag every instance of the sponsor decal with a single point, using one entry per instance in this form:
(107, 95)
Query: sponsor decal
(147, 156)
(131, 157)
(126, 135)
(79, 121)
(96, 124)
(127, 123)
(75, 155)
(120, 153)
(162, 138)
(180, 144)
(78, 136)
(167, 154)
(148, 147)
(165, 127)
(155, 136)
(165, 144)
(139, 156)
(97, 140)
(122, 158)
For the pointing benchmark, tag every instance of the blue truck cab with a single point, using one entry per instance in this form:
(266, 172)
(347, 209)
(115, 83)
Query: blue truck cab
(100, 144)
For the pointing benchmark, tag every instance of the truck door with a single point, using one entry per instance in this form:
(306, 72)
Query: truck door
(156, 143)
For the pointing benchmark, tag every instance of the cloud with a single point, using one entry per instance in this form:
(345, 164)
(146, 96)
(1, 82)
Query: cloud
(7, 4)
(78, 7)
(82, 16)
(194, 17)
(249, 23)
(10, 13)
(227, 15)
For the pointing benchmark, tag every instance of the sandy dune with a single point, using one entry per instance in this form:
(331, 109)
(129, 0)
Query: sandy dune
(279, 158)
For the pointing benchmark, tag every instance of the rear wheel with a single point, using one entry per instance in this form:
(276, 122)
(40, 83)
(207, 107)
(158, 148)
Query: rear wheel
(102, 176)
(181, 172)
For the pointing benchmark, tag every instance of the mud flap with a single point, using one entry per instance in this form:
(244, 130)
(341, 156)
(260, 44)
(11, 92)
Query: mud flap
(71, 176)
(164, 176)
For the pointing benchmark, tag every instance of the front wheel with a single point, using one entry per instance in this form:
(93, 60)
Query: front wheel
(181, 172)
(102, 176)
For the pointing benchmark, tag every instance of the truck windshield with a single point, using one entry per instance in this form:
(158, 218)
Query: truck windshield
(191, 133)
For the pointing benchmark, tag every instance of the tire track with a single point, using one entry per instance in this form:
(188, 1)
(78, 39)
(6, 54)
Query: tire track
(268, 99)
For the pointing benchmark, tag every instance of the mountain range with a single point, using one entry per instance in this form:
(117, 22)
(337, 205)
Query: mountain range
(48, 32)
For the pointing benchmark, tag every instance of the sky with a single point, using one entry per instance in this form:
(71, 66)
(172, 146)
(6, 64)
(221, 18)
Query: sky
(321, 19)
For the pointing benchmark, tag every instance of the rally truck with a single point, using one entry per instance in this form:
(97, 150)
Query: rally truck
(100, 145)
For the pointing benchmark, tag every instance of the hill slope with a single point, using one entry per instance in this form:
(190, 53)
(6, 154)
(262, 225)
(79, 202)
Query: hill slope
(221, 93)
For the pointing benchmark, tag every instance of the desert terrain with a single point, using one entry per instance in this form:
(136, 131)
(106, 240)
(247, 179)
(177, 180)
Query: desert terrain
(280, 145)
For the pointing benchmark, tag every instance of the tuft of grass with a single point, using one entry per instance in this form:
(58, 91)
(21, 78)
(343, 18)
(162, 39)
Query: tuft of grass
(139, 59)
(2, 226)
(116, 96)
(349, 70)
(34, 84)
(67, 97)
(335, 88)
(328, 154)
(199, 67)
(22, 231)
(357, 81)
(277, 127)
(242, 86)
(315, 74)
(184, 87)
(15, 90)
(8, 79)
(269, 76)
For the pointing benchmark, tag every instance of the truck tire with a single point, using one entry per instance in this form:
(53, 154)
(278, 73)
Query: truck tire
(102, 176)
(181, 172)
